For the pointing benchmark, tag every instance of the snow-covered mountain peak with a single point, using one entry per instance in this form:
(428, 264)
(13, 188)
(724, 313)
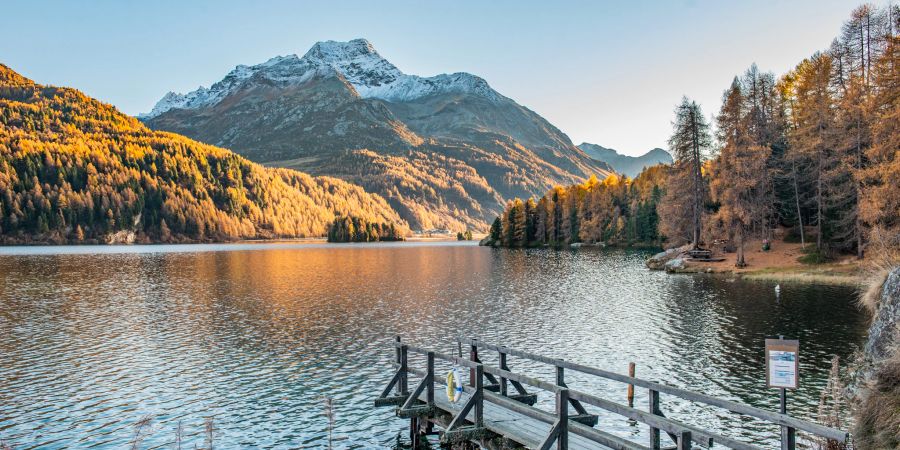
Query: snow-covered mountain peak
(169, 101)
(357, 61)
(335, 51)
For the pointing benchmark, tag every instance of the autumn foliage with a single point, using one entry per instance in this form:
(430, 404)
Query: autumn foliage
(815, 150)
(73, 169)
(617, 210)
(355, 229)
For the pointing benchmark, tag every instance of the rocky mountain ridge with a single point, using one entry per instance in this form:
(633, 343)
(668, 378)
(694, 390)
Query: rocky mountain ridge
(446, 151)
(629, 165)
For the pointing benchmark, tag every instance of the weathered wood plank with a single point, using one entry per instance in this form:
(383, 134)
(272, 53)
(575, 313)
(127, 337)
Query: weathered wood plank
(528, 425)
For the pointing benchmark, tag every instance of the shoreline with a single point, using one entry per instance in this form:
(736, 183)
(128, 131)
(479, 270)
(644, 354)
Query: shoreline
(781, 263)
(813, 275)
(310, 240)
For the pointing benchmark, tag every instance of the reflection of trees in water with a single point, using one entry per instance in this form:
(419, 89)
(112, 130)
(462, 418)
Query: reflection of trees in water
(719, 328)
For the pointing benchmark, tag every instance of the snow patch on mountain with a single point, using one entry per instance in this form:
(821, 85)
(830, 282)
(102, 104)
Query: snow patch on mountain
(357, 61)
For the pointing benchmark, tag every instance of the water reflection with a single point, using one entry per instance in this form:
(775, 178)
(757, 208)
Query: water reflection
(254, 336)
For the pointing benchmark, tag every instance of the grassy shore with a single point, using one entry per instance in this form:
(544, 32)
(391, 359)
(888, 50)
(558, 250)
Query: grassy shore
(783, 263)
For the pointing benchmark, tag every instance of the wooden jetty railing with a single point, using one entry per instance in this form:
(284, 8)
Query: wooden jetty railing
(491, 417)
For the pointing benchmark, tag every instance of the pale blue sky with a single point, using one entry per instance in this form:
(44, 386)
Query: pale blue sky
(609, 73)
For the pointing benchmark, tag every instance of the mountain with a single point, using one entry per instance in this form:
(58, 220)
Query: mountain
(445, 151)
(629, 165)
(73, 169)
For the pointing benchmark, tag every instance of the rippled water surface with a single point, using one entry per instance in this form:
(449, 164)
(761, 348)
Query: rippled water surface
(95, 339)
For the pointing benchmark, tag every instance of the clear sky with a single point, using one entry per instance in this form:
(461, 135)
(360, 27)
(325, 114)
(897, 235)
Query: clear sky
(608, 73)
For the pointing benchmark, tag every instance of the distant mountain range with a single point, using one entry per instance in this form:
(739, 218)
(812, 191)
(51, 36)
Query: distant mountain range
(445, 151)
(629, 165)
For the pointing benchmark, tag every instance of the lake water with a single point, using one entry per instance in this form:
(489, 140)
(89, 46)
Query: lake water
(95, 339)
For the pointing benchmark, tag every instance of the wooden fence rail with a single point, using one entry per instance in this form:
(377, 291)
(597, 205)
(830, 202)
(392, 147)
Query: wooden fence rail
(489, 412)
(783, 420)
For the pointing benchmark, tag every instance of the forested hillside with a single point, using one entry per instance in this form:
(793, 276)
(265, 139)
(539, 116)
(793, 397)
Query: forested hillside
(816, 150)
(73, 169)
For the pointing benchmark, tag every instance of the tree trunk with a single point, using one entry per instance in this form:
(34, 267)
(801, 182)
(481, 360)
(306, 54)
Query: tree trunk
(858, 225)
(697, 176)
(797, 201)
(739, 262)
(819, 200)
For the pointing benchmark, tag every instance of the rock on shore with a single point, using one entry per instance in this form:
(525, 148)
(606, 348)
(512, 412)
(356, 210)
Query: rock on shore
(659, 260)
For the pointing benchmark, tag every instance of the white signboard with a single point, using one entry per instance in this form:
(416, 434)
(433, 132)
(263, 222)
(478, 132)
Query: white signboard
(782, 363)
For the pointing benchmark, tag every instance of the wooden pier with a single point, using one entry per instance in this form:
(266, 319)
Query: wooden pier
(496, 409)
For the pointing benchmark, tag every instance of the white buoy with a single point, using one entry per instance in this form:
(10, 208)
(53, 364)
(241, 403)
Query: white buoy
(777, 290)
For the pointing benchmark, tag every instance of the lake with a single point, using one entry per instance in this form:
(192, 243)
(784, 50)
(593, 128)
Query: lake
(95, 340)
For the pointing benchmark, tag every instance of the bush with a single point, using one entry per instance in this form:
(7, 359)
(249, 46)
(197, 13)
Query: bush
(792, 235)
(813, 255)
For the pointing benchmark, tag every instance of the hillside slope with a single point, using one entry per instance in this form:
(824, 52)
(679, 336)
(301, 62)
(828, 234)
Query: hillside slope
(445, 151)
(73, 169)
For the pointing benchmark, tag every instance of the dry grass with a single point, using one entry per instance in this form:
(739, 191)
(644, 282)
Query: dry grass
(871, 291)
(882, 256)
(782, 263)
(141, 431)
(878, 414)
(832, 407)
(816, 274)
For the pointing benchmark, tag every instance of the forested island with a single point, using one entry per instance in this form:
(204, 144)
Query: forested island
(617, 210)
(356, 229)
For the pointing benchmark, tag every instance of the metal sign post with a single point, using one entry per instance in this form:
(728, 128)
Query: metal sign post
(783, 373)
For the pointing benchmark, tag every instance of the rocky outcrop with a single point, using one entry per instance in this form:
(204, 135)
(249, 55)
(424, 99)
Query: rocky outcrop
(884, 333)
(675, 265)
(875, 391)
(659, 260)
(120, 237)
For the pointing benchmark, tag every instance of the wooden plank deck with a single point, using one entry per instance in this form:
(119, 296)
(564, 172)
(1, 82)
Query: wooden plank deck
(526, 430)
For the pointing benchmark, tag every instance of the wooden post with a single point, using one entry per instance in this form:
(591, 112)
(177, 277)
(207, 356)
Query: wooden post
(562, 414)
(414, 438)
(403, 385)
(399, 361)
(654, 409)
(788, 434)
(473, 356)
(503, 390)
(561, 381)
(429, 374)
(684, 441)
(479, 391)
(631, 386)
